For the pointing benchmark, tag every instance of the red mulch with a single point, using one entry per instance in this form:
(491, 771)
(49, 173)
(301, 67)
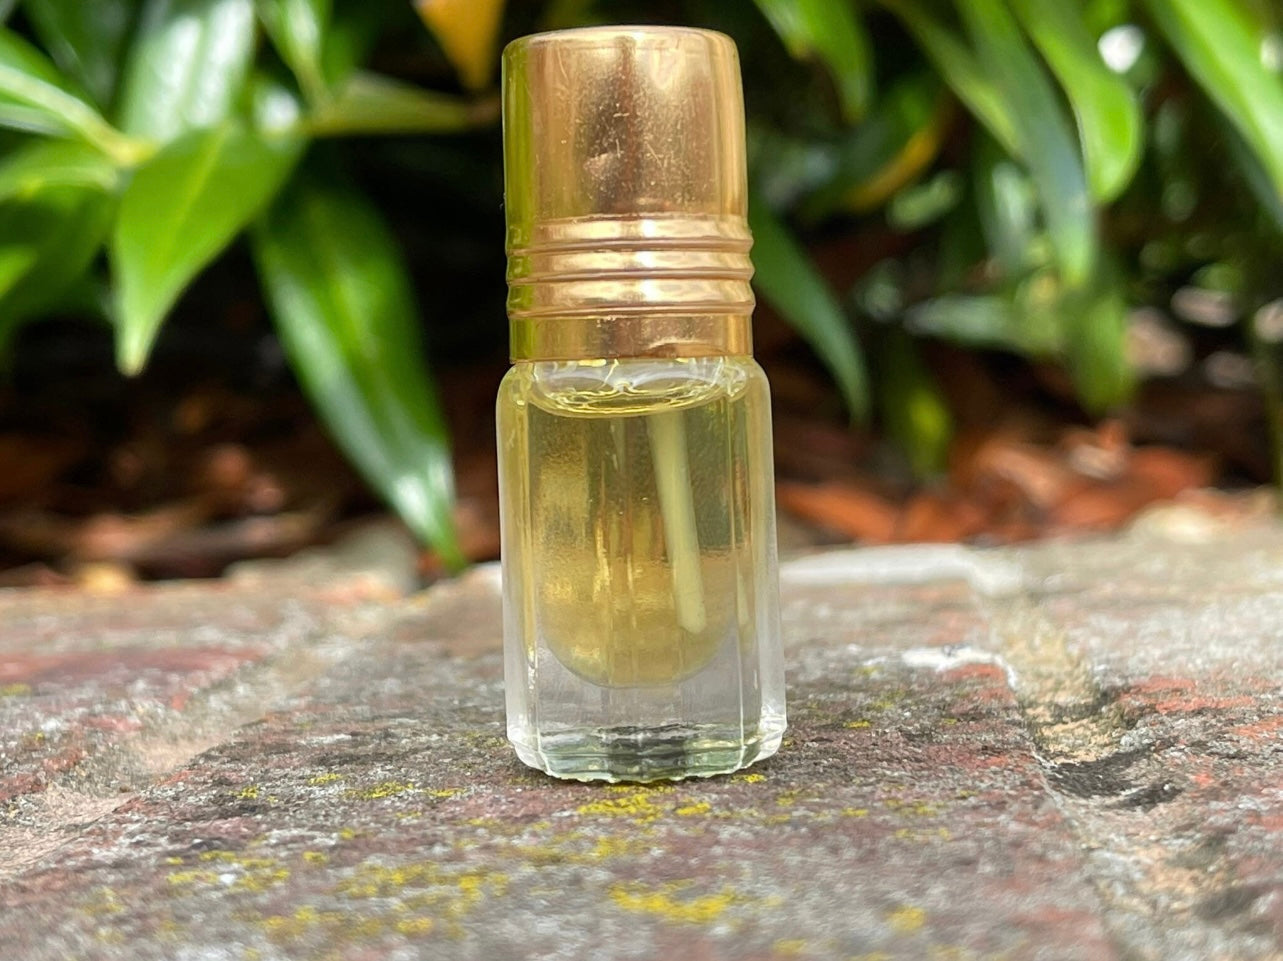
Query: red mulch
(175, 475)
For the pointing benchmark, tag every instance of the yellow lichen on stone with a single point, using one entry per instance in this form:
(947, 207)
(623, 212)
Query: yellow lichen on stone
(541, 854)
(15, 690)
(906, 919)
(694, 809)
(858, 725)
(453, 895)
(789, 947)
(909, 834)
(201, 876)
(638, 806)
(919, 809)
(616, 847)
(230, 868)
(104, 901)
(661, 903)
(340, 926)
(413, 926)
(327, 778)
(248, 793)
(752, 777)
(261, 881)
(303, 920)
(240, 860)
(855, 812)
(890, 699)
(383, 789)
(316, 857)
(365, 929)
(373, 880)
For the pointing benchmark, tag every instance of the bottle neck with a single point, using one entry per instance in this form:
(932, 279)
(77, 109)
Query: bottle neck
(642, 334)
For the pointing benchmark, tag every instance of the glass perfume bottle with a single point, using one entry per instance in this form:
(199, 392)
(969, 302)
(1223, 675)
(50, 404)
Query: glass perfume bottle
(641, 612)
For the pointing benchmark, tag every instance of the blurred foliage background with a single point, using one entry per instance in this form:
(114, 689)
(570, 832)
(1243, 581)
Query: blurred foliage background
(1083, 187)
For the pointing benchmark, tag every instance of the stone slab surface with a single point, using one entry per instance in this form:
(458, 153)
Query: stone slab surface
(1059, 752)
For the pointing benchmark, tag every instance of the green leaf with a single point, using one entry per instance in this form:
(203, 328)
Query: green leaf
(1109, 120)
(913, 410)
(47, 163)
(986, 321)
(1258, 181)
(1095, 324)
(785, 167)
(960, 70)
(343, 305)
(896, 142)
(275, 106)
(187, 66)
(354, 27)
(181, 209)
(973, 321)
(788, 279)
(962, 246)
(86, 39)
(33, 97)
(48, 237)
(297, 29)
(372, 104)
(1008, 209)
(15, 116)
(919, 205)
(1221, 44)
(831, 31)
(18, 55)
(1046, 143)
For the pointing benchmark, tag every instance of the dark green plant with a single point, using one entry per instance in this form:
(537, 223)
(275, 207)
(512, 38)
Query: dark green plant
(1068, 191)
(1025, 194)
(160, 130)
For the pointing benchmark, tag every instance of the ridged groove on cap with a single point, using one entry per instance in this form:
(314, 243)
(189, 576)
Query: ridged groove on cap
(656, 264)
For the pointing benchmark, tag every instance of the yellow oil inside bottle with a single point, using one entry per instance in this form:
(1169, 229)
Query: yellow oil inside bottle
(634, 499)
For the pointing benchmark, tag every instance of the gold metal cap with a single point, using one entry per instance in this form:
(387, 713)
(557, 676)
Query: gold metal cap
(625, 194)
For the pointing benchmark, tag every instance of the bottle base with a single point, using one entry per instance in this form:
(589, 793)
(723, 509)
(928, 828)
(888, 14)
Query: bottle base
(648, 754)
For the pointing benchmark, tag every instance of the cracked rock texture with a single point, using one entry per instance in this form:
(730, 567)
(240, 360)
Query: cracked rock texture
(1059, 752)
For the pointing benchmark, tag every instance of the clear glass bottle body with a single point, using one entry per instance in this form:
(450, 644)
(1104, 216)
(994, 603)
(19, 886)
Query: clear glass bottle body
(641, 615)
